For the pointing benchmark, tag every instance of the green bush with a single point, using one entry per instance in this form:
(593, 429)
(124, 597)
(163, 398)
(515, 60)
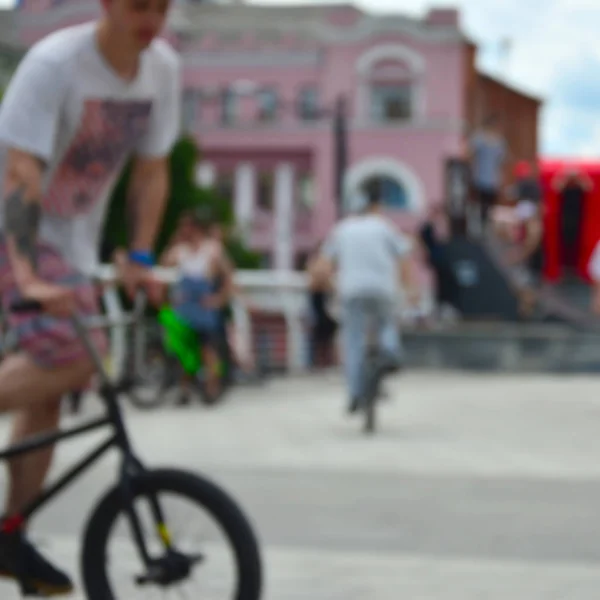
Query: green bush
(184, 195)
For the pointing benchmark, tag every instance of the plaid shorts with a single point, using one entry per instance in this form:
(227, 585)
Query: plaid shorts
(51, 342)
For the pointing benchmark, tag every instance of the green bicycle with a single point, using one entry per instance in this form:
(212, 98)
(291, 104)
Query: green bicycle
(174, 357)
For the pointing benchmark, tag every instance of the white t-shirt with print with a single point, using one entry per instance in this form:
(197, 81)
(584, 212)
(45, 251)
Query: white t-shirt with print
(66, 106)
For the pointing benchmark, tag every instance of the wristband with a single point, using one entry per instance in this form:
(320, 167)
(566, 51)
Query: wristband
(142, 257)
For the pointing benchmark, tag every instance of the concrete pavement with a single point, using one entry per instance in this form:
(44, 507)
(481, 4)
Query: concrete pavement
(476, 487)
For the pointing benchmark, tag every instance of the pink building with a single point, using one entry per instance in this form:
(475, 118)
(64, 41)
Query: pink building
(260, 84)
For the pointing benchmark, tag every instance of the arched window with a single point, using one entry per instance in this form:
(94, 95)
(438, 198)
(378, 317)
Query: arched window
(392, 192)
(391, 83)
(398, 185)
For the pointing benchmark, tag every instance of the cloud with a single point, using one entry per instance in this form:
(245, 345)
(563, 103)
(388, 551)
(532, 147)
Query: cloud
(579, 86)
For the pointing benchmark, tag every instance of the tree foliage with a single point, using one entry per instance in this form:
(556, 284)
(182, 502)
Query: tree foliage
(184, 195)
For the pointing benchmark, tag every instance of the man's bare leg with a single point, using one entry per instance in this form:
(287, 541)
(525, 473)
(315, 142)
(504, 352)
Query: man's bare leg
(28, 472)
(36, 393)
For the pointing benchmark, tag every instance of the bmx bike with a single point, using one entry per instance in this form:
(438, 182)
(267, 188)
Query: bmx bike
(158, 560)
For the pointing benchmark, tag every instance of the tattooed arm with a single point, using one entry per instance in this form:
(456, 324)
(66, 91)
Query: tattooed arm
(22, 190)
(21, 206)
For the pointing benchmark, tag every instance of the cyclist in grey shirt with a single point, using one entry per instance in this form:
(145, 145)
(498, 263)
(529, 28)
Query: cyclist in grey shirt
(368, 254)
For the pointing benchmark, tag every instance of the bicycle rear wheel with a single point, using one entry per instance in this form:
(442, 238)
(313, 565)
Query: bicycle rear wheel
(172, 571)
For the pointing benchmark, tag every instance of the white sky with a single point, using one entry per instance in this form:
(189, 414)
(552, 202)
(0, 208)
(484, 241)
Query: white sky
(555, 53)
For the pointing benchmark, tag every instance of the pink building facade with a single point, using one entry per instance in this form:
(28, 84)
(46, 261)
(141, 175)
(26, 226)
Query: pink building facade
(260, 84)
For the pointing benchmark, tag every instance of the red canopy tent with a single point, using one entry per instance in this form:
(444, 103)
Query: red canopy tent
(590, 223)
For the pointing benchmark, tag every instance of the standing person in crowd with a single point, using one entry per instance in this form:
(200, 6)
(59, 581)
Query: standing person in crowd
(234, 350)
(435, 235)
(199, 261)
(323, 326)
(515, 237)
(368, 254)
(527, 188)
(573, 187)
(224, 284)
(526, 194)
(488, 155)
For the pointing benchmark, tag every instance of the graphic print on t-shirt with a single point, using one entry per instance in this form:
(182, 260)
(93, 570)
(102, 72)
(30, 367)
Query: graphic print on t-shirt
(108, 132)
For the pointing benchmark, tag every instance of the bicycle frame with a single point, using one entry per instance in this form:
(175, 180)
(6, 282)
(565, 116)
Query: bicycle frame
(131, 466)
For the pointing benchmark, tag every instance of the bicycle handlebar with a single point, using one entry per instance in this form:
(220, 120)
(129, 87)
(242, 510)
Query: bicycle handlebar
(27, 305)
(81, 325)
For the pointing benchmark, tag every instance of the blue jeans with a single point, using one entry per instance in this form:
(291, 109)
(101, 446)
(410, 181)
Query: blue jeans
(187, 297)
(359, 317)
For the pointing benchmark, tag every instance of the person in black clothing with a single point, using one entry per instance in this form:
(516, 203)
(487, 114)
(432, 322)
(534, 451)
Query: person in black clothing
(573, 187)
(526, 194)
(434, 240)
(323, 326)
(238, 364)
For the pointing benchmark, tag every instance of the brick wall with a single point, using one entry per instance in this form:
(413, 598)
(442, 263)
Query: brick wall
(518, 115)
(518, 112)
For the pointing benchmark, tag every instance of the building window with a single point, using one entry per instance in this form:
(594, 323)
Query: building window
(308, 104)
(265, 191)
(225, 185)
(189, 110)
(391, 102)
(229, 107)
(267, 105)
(392, 193)
(305, 192)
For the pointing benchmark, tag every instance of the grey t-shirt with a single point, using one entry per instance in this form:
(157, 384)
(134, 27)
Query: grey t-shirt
(489, 154)
(65, 106)
(366, 249)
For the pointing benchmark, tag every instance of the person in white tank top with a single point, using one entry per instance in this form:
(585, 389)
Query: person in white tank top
(197, 258)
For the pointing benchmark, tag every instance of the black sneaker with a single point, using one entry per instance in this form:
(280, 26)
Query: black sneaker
(39, 577)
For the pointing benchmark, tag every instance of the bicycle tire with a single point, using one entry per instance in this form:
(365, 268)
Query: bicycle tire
(222, 508)
(159, 397)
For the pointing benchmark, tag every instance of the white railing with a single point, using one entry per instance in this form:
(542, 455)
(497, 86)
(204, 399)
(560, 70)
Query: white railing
(268, 291)
(278, 292)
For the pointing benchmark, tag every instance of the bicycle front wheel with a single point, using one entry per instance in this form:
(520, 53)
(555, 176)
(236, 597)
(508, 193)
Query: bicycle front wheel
(194, 566)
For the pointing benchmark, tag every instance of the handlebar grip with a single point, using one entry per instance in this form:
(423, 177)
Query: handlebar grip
(26, 306)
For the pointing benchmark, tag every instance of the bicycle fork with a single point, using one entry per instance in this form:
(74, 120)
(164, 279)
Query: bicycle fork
(133, 470)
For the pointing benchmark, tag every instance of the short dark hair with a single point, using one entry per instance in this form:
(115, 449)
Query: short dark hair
(203, 218)
(373, 193)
